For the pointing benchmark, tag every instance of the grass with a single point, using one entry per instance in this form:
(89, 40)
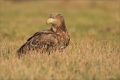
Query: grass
(94, 50)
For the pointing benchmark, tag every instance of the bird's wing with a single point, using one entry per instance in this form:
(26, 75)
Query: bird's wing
(41, 40)
(39, 33)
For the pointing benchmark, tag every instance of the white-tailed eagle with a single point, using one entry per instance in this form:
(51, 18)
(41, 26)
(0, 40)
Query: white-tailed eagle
(46, 41)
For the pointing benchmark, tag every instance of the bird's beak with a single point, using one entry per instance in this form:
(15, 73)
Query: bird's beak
(51, 21)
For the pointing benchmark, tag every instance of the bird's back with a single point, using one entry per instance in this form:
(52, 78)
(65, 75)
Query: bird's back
(40, 41)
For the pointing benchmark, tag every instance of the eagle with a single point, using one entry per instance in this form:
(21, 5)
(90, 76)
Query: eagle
(46, 41)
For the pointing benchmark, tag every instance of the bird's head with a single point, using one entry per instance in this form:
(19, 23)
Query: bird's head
(57, 21)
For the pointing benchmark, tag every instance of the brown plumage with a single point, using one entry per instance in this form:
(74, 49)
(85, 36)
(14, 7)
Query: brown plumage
(55, 38)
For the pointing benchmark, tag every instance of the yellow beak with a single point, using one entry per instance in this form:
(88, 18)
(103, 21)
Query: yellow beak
(51, 20)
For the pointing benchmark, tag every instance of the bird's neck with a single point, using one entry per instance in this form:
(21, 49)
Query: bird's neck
(58, 29)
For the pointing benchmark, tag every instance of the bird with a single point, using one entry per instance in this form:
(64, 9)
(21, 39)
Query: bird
(50, 40)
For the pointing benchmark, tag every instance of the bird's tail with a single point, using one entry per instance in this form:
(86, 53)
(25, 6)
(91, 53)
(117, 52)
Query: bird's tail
(21, 51)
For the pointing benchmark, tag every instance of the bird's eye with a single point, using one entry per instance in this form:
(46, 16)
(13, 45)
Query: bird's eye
(53, 17)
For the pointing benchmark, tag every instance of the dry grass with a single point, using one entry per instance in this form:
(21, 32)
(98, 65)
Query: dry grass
(94, 50)
(86, 59)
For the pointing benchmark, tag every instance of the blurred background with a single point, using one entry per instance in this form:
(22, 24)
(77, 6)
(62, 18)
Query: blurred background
(98, 19)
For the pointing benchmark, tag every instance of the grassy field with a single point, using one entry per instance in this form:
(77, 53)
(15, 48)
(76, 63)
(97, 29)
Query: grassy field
(94, 50)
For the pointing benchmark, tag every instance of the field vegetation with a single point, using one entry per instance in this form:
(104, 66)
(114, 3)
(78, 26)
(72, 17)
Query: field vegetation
(93, 52)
